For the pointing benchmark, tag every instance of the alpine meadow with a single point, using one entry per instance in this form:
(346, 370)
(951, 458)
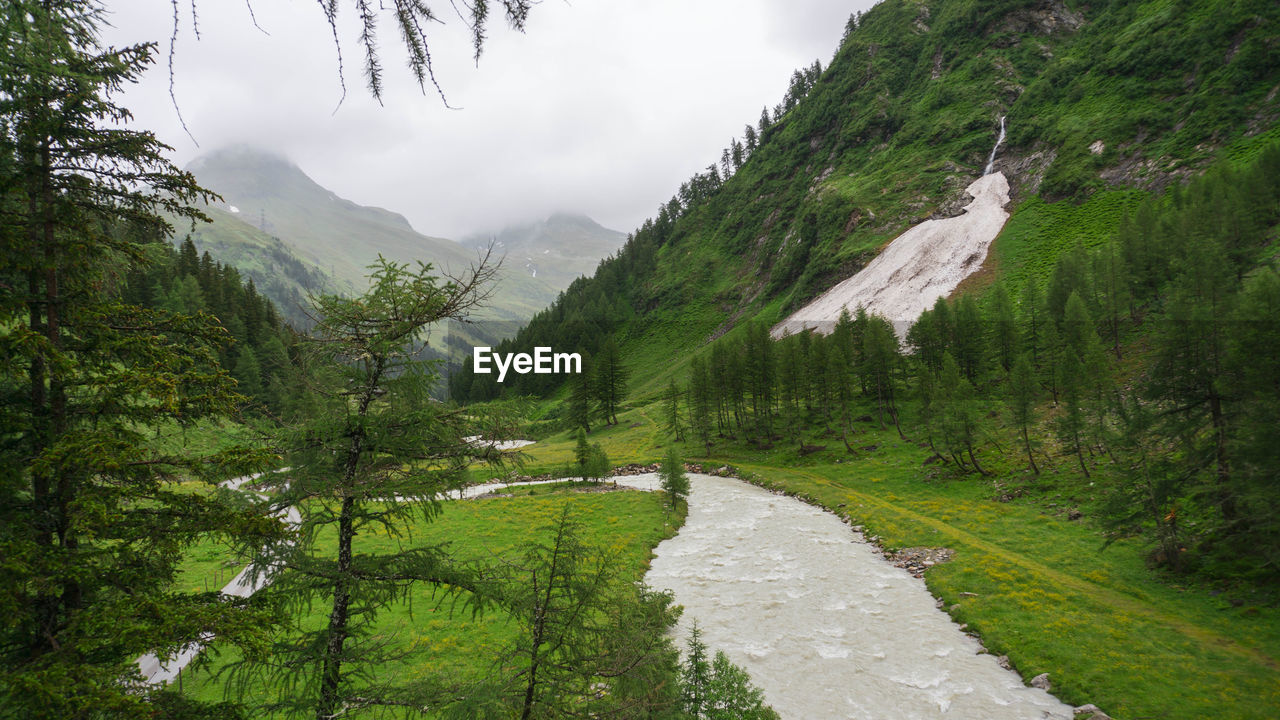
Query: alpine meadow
(948, 388)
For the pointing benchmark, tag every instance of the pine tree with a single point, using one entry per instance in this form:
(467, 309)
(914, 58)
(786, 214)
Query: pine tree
(1004, 331)
(93, 526)
(1070, 423)
(575, 624)
(610, 381)
(960, 415)
(248, 373)
(581, 453)
(880, 353)
(1188, 374)
(700, 401)
(968, 339)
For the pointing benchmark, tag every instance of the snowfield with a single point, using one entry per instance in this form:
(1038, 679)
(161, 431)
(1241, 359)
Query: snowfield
(921, 265)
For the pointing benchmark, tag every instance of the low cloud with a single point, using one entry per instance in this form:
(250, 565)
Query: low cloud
(602, 107)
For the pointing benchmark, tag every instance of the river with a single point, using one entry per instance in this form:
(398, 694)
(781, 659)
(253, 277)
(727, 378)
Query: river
(826, 627)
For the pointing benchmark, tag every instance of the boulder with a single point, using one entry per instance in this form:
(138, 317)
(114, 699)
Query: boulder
(1091, 712)
(1041, 681)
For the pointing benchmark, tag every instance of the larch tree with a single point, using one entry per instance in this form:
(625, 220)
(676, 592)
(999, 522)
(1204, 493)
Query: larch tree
(1022, 391)
(378, 456)
(674, 481)
(610, 381)
(673, 423)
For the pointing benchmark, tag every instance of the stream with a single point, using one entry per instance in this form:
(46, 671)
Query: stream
(824, 625)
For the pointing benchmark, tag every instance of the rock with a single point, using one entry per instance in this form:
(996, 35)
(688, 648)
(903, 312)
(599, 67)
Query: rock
(1003, 661)
(968, 594)
(1092, 712)
(1075, 515)
(1098, 147)
(1041, 681)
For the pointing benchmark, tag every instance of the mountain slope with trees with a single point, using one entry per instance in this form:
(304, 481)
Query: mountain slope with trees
(1098, 384)
(1104, 103)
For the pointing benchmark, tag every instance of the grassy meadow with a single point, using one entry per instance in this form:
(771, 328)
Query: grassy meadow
(1031, 583)
(443, 635)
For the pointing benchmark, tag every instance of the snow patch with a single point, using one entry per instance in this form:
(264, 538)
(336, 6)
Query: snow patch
(921, 265)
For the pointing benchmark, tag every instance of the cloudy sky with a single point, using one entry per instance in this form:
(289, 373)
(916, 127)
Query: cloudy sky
(601, 107)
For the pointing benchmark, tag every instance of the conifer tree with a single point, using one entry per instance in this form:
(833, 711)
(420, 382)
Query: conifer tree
(1033, 319)
(672, 478)
(1003, 326)
(578, 630)
(1022, 392)
(968, 339)
(960, 415)
(1070, 423)
(880, 352)
(93, 526)
(700, 401)
(379, 454)
(581, 453)
(672, 421)
(610, 381)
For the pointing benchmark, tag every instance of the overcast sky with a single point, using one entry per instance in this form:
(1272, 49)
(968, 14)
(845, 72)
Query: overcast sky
(602, 107)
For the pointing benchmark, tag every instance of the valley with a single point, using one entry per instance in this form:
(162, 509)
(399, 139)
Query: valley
(949, 390)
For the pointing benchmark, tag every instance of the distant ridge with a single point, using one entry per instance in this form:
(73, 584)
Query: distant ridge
(557, 249)
(274, 195)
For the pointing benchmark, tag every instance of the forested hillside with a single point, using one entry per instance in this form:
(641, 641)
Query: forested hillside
(1122, 304)
(278, 270)
(260, 352)
(1104, 104)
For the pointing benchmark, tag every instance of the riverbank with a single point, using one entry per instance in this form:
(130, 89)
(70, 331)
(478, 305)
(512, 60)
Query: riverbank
(1032, 583)
(825, 626)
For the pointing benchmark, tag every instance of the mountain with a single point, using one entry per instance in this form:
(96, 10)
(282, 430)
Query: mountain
(557, 250)
(274, 195)
(278, 270)
(1103, 376)
(1105, 104)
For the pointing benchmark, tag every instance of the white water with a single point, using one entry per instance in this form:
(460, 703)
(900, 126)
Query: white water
(991, 159)
(826, 627)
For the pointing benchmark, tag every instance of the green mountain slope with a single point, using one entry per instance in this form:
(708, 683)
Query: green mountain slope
(1112, 109)
(1105, 102)
(339, 236)
(278, 270)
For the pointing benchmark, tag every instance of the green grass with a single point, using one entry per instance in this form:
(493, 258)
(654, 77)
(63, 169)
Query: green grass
(627, 523)
(1106, 628)
(1039, 232)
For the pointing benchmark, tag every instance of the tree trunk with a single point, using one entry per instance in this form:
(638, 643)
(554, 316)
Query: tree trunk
(1226, 498)
(1026, 441)
(331, 676)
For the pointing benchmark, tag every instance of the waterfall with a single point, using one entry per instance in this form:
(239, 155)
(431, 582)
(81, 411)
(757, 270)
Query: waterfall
(991, 159)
